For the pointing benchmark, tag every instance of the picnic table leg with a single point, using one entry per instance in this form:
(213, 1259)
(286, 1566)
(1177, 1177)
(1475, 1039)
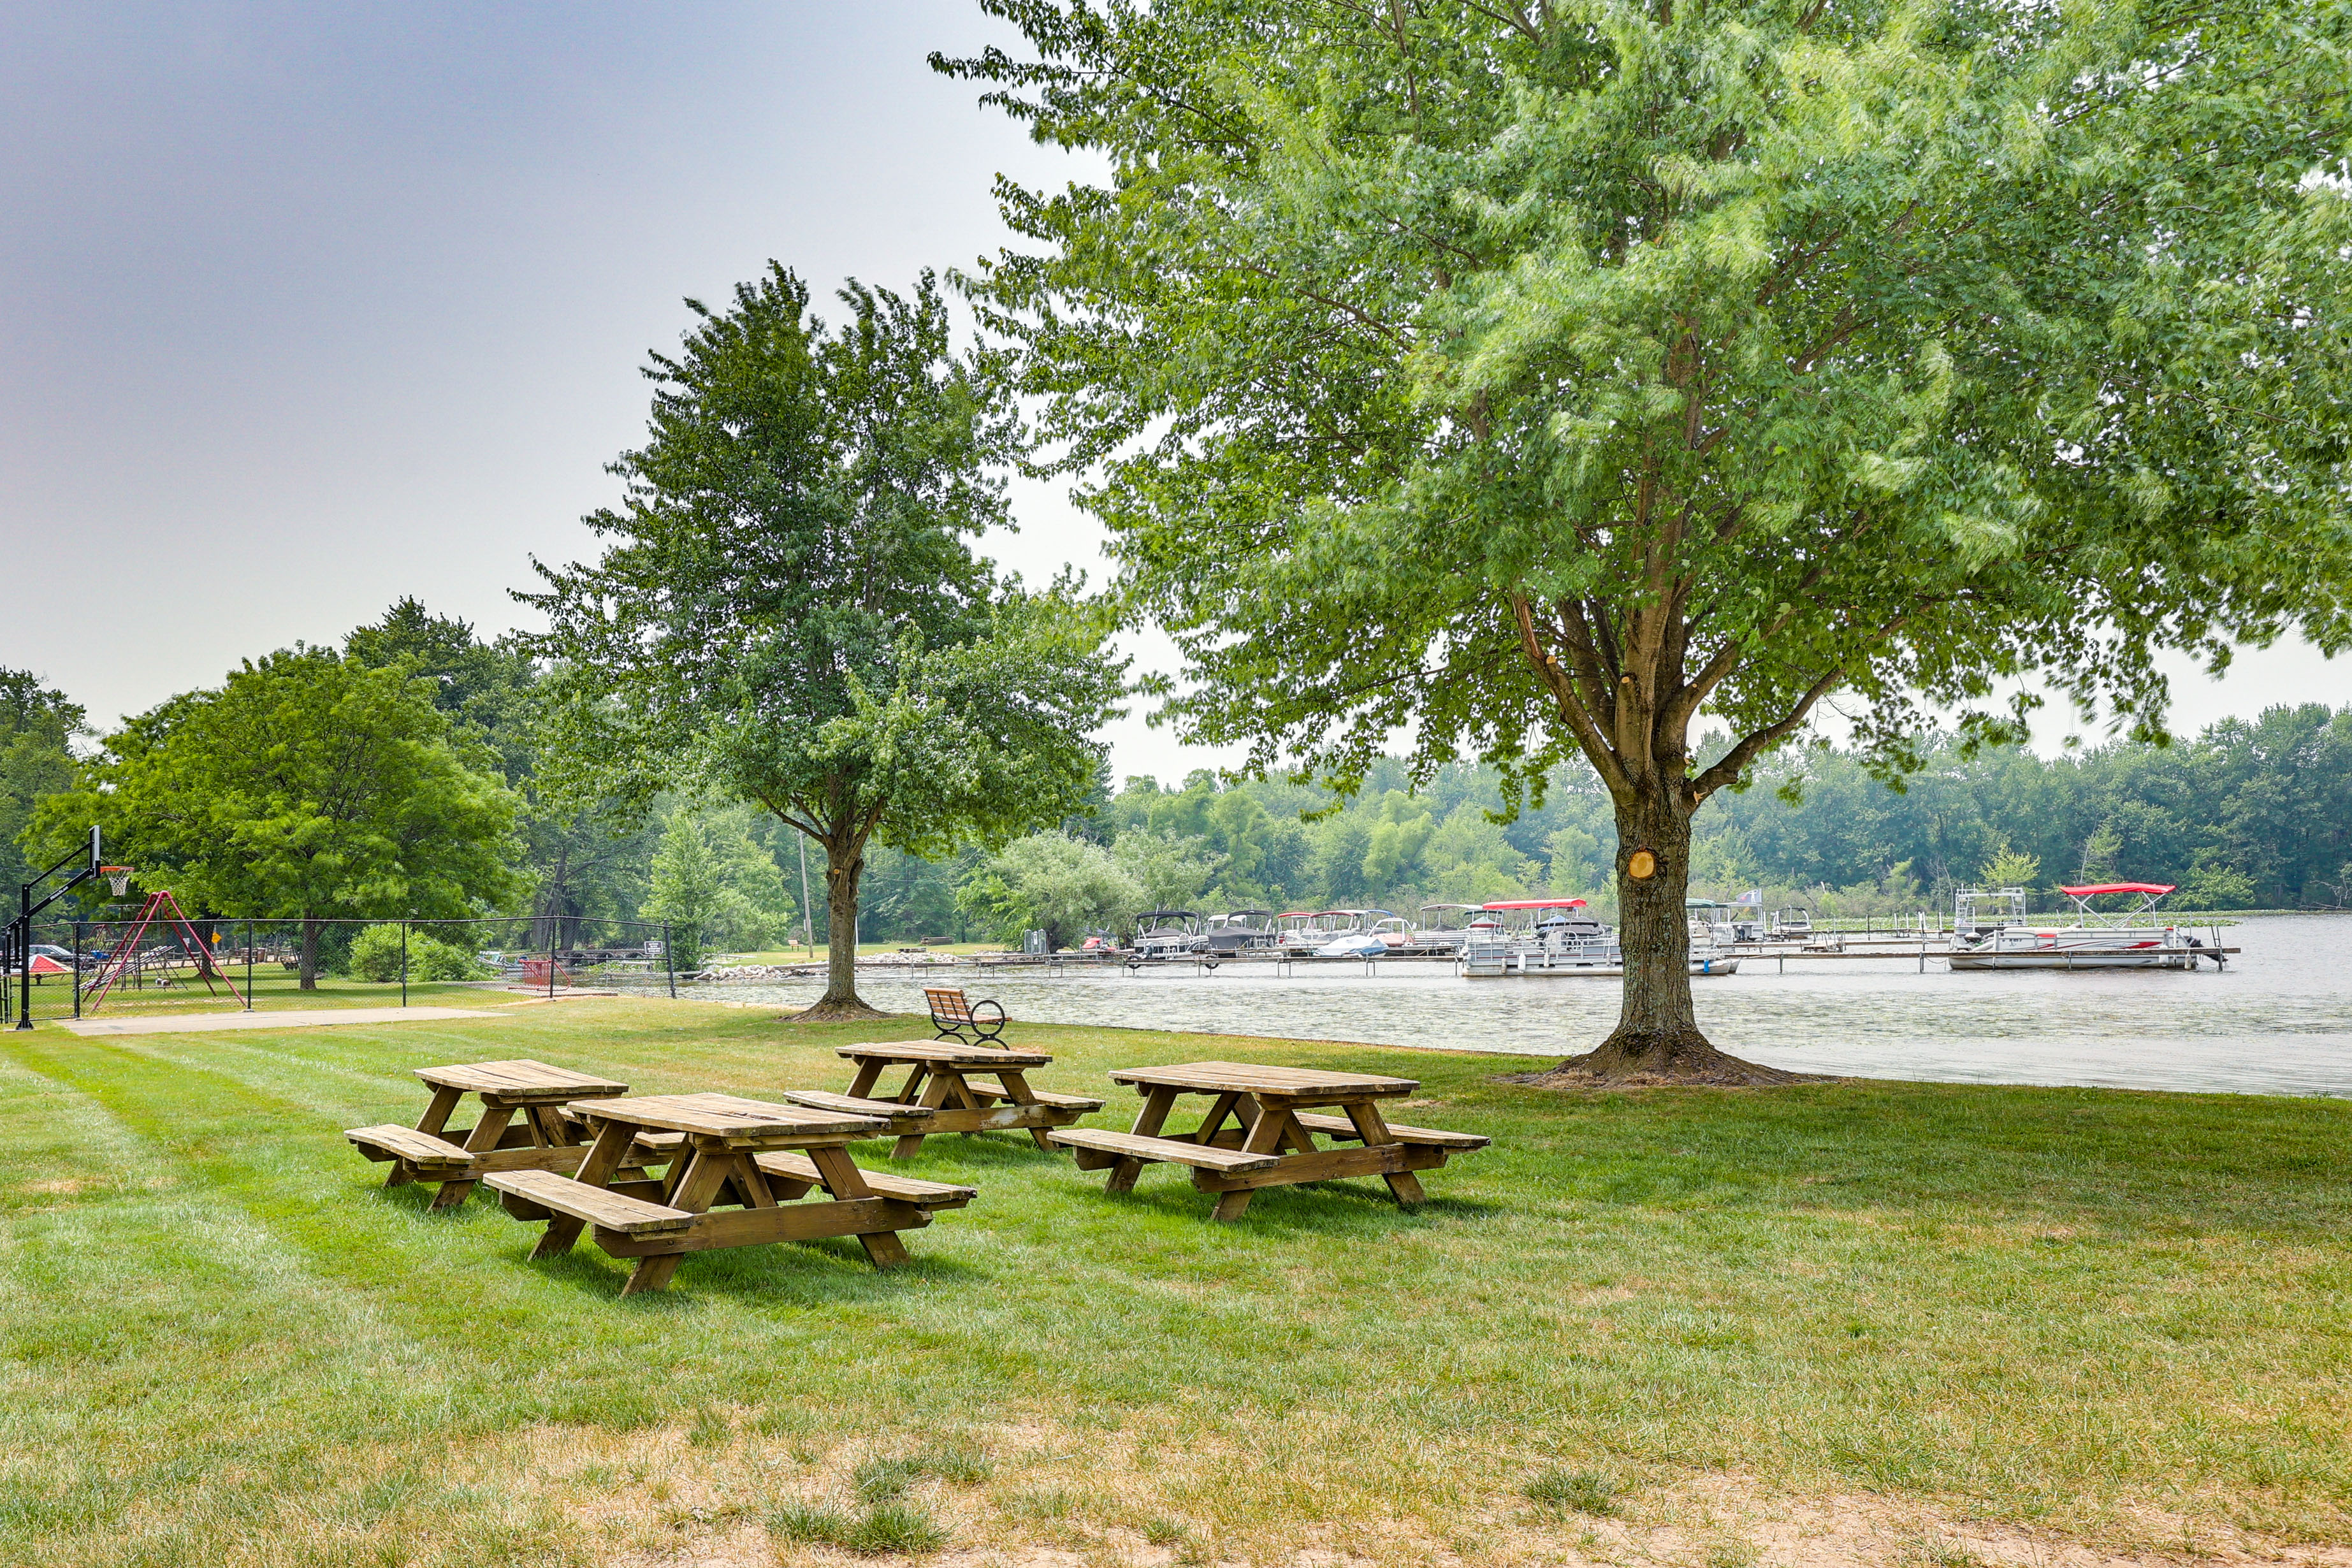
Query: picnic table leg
(596, 1168)
(1017, 1091)
(1266, 1136)
(1287, 1137)
(843, 1179)
(707, 1171)
(935, 1094)
(548, 1127)
(752, 1182)
(436, 1114)
(435, 1117)
(1221, 1107)
(484, 1138)
(1147, 1122)
(1374, 1130)
(863, 1084)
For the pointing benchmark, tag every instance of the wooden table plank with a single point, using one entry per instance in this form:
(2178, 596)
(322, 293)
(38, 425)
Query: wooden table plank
(728, 1117)
(1267, 1083)
(521, 1078)
(942, 1053)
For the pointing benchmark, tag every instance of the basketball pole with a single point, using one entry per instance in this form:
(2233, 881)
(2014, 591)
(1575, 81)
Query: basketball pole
(27, 909)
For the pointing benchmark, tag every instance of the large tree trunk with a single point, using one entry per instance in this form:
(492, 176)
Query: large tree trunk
(845, 866)
(1658, 1038)
(312, 927)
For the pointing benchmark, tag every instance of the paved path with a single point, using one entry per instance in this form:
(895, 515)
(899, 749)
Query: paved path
(196, 1022)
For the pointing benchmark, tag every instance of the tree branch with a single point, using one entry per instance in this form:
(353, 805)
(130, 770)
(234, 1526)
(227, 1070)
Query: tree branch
(1571, 707)
(1736, 761)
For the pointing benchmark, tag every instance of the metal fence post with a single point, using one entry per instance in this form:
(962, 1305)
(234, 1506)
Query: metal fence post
(404, 963)
(25, 958)
(249, 964)
(551, 928)
(77, 974)
(669, 965)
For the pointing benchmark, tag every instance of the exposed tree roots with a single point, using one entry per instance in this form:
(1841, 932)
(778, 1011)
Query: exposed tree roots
(1633, 1061)
(850, 1012)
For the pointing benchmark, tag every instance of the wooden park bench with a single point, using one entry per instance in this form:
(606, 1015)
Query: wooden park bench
(955, 1017)
(457, 1158)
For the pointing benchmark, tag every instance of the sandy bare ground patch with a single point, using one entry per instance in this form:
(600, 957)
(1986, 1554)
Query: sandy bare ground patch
(1055, 1497)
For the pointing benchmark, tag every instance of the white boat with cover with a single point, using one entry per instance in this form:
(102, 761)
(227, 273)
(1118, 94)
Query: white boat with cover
(1989, 931)
(1554, 937)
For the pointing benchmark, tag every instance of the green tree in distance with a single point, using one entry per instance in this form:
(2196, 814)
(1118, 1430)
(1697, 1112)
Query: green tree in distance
(37, 729)
(584, 852)
(687, 893)
(791, 612)
(1050, 882)
(305, 785)
(1534, 378)
(2011, 869)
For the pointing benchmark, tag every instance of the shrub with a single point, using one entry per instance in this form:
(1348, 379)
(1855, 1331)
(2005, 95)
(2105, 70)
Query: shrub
(375, 955)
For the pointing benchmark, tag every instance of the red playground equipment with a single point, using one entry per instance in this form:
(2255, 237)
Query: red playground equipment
(546, 972)
(163, 909)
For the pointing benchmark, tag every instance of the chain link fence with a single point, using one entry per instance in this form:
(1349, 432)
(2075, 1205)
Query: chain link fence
(80, 968)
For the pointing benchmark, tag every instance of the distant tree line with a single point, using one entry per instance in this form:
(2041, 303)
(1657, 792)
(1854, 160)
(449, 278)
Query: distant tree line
(2250, 812)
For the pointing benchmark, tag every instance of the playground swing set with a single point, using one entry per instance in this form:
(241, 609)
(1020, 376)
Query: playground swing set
(183, 945)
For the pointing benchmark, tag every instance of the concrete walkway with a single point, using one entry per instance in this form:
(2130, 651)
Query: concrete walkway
(198, 1023)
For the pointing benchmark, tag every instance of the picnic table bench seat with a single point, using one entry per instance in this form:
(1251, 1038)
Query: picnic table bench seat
(1340, 1127)
(426, 1151)
(792, 1165)
(856, 1105)
(599, 1206)
(1078, 1102)
(1108, 1146)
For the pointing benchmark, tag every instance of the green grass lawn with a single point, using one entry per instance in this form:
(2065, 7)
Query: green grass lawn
(1650, 1327)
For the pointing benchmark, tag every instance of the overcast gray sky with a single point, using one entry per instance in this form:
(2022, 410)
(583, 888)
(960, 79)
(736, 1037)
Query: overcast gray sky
(308, 306)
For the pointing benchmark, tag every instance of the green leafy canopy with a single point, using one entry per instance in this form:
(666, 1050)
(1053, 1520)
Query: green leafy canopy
(1534, 378)
(304, 785)
(789, 611)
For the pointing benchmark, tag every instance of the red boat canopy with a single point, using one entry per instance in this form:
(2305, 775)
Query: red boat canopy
(1538, 904)
(2153, 888)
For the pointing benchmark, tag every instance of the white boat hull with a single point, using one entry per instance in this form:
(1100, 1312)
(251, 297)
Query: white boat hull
(2077, 947)
(1570, 966)
(2162, 958)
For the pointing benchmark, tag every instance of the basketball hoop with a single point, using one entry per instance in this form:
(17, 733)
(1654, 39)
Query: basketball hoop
(118, 878)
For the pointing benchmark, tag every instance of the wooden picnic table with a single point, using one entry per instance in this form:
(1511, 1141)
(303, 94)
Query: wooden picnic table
(458, 1158)
(948, 1089)
(1271, 1143)
(720, 1149)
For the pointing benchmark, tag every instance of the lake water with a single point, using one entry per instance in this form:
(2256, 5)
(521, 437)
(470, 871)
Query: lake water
(2278, 1020)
